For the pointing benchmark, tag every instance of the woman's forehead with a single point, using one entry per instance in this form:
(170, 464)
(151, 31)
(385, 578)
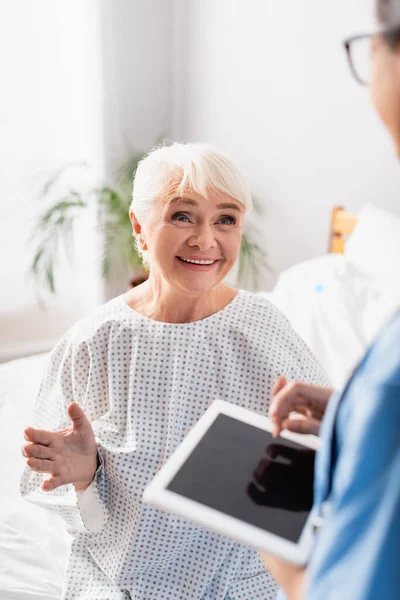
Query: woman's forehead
(190, 197)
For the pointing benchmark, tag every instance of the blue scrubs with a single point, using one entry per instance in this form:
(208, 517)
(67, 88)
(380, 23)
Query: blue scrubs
(357, 488)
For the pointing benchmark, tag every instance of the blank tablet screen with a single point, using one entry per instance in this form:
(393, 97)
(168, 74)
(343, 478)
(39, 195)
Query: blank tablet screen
(244, 472)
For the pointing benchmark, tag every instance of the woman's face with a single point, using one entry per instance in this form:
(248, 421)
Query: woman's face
(192, 241)
(385, 85)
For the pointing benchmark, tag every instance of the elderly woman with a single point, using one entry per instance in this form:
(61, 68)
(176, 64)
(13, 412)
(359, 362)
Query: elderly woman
(125, 385)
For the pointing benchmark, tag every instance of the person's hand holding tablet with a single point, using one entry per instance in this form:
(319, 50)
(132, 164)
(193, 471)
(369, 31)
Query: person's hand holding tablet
(296, 407)
(307, 401)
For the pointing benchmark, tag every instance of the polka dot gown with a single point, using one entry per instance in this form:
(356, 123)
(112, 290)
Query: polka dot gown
(144, 384)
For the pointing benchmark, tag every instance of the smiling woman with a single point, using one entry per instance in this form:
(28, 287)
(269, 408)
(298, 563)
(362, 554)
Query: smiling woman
(139, 372)
(188, 209)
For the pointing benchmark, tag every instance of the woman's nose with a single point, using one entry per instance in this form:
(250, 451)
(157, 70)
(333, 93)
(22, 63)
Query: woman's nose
(203, 238)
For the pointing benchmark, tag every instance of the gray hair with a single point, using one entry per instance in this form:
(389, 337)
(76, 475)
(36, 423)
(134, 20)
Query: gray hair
(388, 15)
(199, 167)
(388, 12)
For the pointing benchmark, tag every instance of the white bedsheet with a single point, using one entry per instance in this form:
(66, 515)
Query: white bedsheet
(33, 542)
(336, 308)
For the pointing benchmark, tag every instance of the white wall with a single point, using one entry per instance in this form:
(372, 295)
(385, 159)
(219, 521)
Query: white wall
(268, 82)
(81, 80)
(137, 65)
(49, 77)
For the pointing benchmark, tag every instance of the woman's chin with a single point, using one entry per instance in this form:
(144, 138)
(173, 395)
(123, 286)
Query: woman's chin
(198, 288)
(198, 284)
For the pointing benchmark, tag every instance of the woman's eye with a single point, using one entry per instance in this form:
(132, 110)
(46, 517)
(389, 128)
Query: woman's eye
(181, 217)
(227, 220)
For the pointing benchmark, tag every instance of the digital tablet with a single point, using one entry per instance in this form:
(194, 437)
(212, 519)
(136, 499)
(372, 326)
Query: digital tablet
(231, 476)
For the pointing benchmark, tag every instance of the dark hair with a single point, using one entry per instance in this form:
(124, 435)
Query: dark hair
(388, 14)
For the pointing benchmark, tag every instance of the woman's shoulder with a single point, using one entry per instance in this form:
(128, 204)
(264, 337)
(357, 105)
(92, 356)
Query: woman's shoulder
(259, 310)
(272, 331)
(260, 303)
(102, 323)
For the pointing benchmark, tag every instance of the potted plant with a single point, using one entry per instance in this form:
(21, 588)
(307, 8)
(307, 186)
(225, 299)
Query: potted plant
(55, 226)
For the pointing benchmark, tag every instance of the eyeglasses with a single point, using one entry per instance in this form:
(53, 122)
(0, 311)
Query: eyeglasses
(358, 50)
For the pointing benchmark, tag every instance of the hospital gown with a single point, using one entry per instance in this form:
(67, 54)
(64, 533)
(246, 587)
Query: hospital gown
(144, 384)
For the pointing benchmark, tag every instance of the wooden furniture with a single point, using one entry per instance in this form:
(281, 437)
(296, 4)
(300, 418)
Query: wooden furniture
(342, 225)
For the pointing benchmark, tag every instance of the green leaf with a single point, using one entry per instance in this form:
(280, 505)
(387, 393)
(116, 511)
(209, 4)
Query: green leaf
(50, 279)
(36, 260)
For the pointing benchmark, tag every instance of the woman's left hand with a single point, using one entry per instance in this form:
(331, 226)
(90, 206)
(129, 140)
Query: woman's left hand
(289, 577)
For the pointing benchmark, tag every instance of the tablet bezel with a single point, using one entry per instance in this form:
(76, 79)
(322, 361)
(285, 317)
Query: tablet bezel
(157, 494)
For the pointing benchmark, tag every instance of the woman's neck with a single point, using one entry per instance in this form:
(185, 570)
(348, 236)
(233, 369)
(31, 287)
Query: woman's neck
(160, 302)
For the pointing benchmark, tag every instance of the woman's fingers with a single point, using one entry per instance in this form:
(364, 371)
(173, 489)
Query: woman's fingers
(40, 465)
(69, 455)
(51, 484)
(38, 436)
(37, 451)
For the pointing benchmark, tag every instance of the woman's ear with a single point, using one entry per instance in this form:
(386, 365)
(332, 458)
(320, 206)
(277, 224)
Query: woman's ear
(137, 231)
(136, 226)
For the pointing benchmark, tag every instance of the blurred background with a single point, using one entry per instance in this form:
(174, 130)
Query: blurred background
(86, 86)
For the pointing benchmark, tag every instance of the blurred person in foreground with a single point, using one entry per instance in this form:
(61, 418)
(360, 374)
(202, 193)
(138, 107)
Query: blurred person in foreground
(357, 487)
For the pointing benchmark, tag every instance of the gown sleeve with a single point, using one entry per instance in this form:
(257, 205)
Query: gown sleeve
(67, 379)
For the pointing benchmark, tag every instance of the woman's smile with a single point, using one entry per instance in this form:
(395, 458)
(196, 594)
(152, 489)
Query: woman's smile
(198, 263)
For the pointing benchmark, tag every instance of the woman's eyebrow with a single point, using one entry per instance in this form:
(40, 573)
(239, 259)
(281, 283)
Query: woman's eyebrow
(229, 205)
(185, 201)
(224, 205)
